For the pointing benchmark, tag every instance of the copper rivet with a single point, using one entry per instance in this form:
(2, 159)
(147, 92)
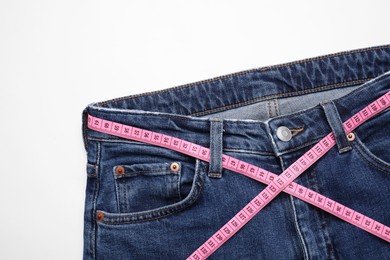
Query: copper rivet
(120, 171)
(174, 167)
(99, 216)
(351, 136)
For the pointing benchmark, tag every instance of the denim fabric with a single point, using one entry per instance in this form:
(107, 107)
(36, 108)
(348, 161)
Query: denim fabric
(154, 212)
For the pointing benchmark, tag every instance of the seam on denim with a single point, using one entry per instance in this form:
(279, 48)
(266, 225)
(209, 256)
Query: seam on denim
(368, 83)
(260, 109)
(360, 150)
(372, 156)
(160, 115)
(179, 182)
(269, 109)
(326, 56)
(125, 195)
(296, 225)
(149, 212)
(181, 117)
(347, 148)
(371, 164)
(272, 107)
(146, 171)
(328, 241)
(122, 196)
(239, 150)
(274, 145)
(116, 191)
(136, 172)
(173, 211)
(202, 171)
(276, 107)
(298, 230)
(96, 194)
(278, 95)
(313, 184)
(122, 201)
(157, 217)
(140, 220)
(318, 106)
(369, 79)
(301, 146)
(244, 72)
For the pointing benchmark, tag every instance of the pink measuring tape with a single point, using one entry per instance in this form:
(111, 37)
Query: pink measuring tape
(276, 183)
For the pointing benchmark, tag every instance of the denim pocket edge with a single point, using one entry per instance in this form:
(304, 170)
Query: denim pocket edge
(165, 211)
(368, 157)
(142, 169)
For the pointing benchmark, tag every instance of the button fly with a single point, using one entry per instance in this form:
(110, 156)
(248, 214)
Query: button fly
(283, 133)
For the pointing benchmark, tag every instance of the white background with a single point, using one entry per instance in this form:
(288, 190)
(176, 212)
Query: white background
(58, 56)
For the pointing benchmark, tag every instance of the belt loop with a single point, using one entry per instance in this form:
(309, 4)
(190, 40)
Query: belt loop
(336, 125)
(215, 165)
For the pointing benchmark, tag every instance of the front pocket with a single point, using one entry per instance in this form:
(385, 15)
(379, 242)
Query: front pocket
(369, 157)
(145, 186)
(188, 195)
(372, 142)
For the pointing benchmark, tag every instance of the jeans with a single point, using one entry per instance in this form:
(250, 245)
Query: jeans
(162, 204)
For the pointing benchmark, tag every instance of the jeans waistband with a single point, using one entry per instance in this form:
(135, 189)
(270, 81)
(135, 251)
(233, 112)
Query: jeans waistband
(186, 111)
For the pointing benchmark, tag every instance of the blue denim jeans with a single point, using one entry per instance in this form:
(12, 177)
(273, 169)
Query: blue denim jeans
(162, 204)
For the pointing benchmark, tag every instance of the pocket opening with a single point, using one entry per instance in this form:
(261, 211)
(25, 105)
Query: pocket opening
(368, 157)
(163, 211)
(145, 186)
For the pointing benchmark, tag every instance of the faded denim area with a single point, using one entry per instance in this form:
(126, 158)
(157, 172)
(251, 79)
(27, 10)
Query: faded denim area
(149, 202)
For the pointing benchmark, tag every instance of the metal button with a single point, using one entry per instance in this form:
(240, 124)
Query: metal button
(120, 171)
(175, 167)
(351, 136)
(283, 133)
(99, 216)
